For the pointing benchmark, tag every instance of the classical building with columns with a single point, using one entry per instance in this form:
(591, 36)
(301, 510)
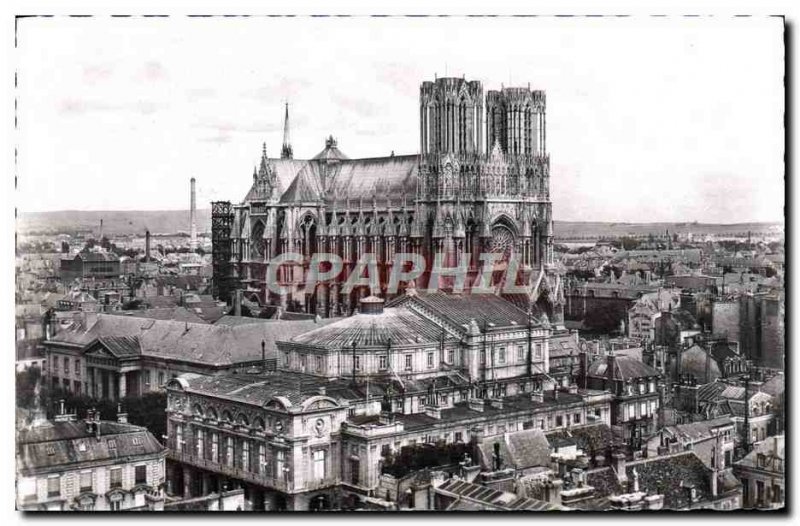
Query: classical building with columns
(479, 183)
(110, 357)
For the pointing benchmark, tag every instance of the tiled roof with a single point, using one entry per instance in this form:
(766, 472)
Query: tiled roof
(521, 449)
(698, 430)
(671, 475)
(191, 342)
(589, 438)
(164, 313)
(563, 345)
(492, 499)
(121, 346)
(53, 444)
(626, 368)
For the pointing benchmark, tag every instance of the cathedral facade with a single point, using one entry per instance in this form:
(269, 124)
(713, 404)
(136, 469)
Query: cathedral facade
(479, 184)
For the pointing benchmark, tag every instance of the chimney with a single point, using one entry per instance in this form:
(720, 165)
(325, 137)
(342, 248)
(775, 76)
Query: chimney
(237, 303)
(264, 355)
(583, 371)
(147, 246)
(552, 490)
(90, 421)
(611, 361)
(122, 418)
(192, 216)
(618, 463)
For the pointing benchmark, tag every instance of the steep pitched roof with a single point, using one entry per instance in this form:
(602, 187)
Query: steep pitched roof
(53, 444)
(520, 450)
(625, 368)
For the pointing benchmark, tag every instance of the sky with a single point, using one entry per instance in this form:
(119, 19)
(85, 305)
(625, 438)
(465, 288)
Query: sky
(648, 119)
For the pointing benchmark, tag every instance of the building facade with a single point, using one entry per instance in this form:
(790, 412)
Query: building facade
(89, 465)
(459, 197)
(314, 433)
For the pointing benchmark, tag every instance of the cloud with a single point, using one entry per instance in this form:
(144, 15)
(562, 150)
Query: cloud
(83, 106)
(260, 126)
(152, 72)
(200, 93)
(280, 90)
(95, 73)
(356, 105)
(218, 139)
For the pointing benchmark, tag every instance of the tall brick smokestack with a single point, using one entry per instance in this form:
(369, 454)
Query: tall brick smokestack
(193, 216)
(147, 246)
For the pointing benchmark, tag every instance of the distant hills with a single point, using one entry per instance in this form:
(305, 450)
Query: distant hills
(133, 222)
(118, 222)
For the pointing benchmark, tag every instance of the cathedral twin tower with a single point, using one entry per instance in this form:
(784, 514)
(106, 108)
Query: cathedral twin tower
(452, 118)
(479, 184)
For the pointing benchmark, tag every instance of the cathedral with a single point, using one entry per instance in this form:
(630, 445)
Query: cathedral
(479, 184)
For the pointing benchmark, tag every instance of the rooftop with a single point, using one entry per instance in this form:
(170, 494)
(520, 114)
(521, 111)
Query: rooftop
(52, 444)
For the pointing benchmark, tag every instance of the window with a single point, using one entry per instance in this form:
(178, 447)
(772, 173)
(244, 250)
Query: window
(319, 363)
(641, 388)
(383, 362)
(86, 481)
(112, 444)
(538, 350)
(357, 363)
(652, 386)
(430, 359)
(483, 357)
(200, 444)
(115, 478)
(51, 450)
(77, 367)
(215, 447)
(246, 454)
(54, 486)
(408, 362)
(66, 366)
(280, 459)
(643, 409)
(179, 436)
(318, 462)
(262, 458)
(501, 355)
(302, 361)
(229, 451)
(116, 505)
(559, 421)
(140, 474)
(520, 353)
(451, 356)
(458, 436)
(147, 377)
(286, 359)
(55, 364)
(160, 378)
(576, 418)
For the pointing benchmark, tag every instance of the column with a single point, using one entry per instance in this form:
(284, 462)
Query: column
(123, 385)
(187, 482)
(206, 483)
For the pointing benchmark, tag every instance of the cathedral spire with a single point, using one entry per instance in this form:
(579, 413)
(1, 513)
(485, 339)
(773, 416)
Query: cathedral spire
(286, 150)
